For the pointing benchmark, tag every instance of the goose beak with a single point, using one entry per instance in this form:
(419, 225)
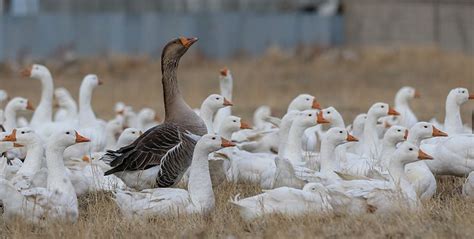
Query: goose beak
(406, 135)
(29, 106)
(392, 111)
(11, 137)
(26, 72)
(157, 118)
(86, 158)
(81, 139)
(227, 102)
(351, 138)
(471, 96)
(226, 143)
(224, 71)
(423, 156)
(17, 145)
(244, 125)
(417, 94)
(437, 132)
(320, 119)
(316, 105)
(187, 42)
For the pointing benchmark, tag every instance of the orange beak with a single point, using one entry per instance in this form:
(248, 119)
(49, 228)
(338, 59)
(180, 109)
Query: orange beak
(316, 105)
(227, 102)
(11, 137)
(437, 132)
(29, 106)
(26, 72)
(226, 143)
(471, 96)
(157, 118)
(392, 111)
(101, 82)
(244, 125)
(187, 42)
(406, 135)
(320, 119)
(224, 71)
(17, 145)
(86, 158)
(351, 138)
(423, 156)
(81, 139)
(417, 94)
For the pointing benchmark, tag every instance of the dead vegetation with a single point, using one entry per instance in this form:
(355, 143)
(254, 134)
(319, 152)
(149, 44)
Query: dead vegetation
(350, 80)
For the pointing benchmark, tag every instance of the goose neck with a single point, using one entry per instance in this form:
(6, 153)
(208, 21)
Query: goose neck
(226, 133)
(397, 171)
(44, 111)
(200, 185)
(207, 115)
(10, 117)
(172, 96)
(226, 87)
(370, 139)
(86, 114)
(414, 138)
(56, 169)
(328, 157)
(294, 142)
(34, 159)
(452, 120)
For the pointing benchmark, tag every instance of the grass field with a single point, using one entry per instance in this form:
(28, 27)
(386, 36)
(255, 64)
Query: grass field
(350, 80)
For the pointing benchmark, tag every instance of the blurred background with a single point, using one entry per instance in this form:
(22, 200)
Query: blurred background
(349, 54)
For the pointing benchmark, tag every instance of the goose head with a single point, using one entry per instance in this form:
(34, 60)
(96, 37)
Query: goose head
(406, 93)
(215, 102)
(408, 153)
(211, 142)
(3, 96)
(24, 136)
(65, 138)
(425, 130)
(396, 134)
(381, 109)
(119, 108)
(176, 48)
(19, 103)
(337, 136)
(459, 96)
(304, 102)
(332, 115)
(129, 135)
(233, 123)
(224, 73)
(36, 71)
(91, 81)
(359, 122)
(388, 121)
(309, 118)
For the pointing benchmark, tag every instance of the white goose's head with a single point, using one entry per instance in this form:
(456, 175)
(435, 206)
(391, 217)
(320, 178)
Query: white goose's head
(19, 103)
(460, 96)
(359, 121)
(381, 109)
(425, 130)
(224, 74)
(407, 93)
(91, 80)
(408, 153)
(211, 142)
(389, 120)
(66, 138)
(309, 118)
(304, 102)
(3, 95)
(129, 135)
(396, 134)
(36, 71)
(215, 102)
(233, 123)
(24, 136)
(331, 114)
(337, 136)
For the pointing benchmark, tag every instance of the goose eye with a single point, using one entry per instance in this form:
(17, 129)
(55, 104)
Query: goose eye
(310, 115)
(411, 149)
(68, 132)
(382, 106)
(307, 99)
(217, 98)
(426, 126)
(399, 130)
(235, 121)
(213, 138)
(463, 92)
(340, 132)
(22, 132)
(329, 112)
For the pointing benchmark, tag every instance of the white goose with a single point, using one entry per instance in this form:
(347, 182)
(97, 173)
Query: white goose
(58, 200)
(452, 121)
(199, 198)
(259, 117)
(288, 201)
(303, 102)
(230, 125)
(226, 85)
(67, 106)
(15, 105)
(392, 137)
(113, 128)
(312, 134)
(209, 108)
(127, 137)
(402, 105)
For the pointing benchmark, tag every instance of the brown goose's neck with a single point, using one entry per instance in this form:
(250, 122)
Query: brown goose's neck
(174, 102)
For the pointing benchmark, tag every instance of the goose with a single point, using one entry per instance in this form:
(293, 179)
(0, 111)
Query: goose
(259, 117)
(303, 102)
(198, 199)
(392, 137)
(128, 136)
(163, 153)
(384, 123)
(284, 200)
(67, 105)
(226, 85)
(58, 200)
(113, 128)
(402, 105)
(3, 96)
(87, 116)
(452, 121)
(386, 196)
(44, 112)
(418, 173)
(146, 119)
(312, 134)
(468, 187)
(209, 108)
(357, 127)
(232, 124)
(15, 105)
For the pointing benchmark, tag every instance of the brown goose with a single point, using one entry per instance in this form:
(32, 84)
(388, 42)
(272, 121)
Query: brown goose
(162, 154)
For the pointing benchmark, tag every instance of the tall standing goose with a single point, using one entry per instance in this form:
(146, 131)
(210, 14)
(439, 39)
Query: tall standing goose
(208, 110)
(165, 151)
(44, 112)
(226, 85)
(402, 106)
(452, 121)
(67, 105)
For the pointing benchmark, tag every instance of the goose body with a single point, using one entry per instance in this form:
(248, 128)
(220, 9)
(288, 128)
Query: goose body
(402, 106)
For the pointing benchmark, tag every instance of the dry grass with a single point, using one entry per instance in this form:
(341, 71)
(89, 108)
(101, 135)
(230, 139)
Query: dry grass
(334, 77)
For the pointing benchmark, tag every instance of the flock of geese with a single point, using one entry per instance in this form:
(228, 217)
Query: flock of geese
(385, 161)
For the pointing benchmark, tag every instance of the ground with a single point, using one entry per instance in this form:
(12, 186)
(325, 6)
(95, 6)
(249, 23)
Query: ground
(348, 79)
